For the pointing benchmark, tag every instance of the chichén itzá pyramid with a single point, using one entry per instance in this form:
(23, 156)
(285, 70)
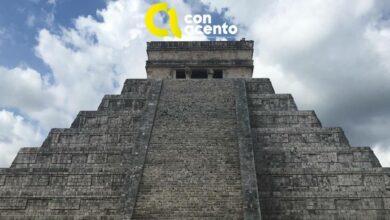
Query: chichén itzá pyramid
(199, 139)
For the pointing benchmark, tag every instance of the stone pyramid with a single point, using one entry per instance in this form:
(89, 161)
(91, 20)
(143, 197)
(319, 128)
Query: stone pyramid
(180, 146)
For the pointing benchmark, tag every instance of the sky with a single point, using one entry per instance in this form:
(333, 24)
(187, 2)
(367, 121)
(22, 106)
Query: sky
(58, 57)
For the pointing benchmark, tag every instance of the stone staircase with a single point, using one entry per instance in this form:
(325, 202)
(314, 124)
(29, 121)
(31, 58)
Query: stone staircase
(305, 171)
(192, 168)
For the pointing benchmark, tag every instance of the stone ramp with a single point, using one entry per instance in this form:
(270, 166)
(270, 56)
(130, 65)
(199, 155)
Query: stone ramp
(192, 168)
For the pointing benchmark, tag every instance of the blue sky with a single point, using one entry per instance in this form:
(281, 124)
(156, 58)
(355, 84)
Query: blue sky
(22, 19)
(58, 57)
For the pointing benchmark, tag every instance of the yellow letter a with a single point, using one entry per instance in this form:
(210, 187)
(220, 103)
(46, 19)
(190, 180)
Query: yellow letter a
(173, 21)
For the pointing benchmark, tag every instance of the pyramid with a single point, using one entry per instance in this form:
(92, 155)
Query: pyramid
(199, 139)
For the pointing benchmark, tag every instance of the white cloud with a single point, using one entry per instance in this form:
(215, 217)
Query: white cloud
(15, 131)
(23, 88)
(379, 36)
(383, 154)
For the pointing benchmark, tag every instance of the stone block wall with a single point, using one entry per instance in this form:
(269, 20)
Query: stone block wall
(235, 58)
(306, 171)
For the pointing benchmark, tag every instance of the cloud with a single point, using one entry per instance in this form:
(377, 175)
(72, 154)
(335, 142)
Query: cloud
(23, 88)
(383, 154)
(15, 131)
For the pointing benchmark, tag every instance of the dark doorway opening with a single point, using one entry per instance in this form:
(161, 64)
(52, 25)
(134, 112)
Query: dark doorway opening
(180, 74)
(199, 74)
(218, 74)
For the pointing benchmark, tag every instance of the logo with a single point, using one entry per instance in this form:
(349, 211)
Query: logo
(172, 17)
(197, 24)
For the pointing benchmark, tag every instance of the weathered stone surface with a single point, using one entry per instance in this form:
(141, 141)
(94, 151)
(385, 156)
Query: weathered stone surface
(234, 58)
(305, 171)
(182, 178)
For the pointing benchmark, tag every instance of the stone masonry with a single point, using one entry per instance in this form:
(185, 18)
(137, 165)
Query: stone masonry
(170, 148)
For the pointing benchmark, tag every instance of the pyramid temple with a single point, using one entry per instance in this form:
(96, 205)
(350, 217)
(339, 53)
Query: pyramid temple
(198, 139)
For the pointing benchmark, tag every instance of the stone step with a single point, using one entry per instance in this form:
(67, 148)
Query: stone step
(312, 213)
(183, 137)
(168, 155)
(215, 124)
(58, 191)
(84, 216)
(194, 87)
(281, 137)
(317, 157)
(66, 171)
(302, 171)
(201, 114)
(76, 160)
(122, 102)
(92, 216)
(92, 160)
(140, 87)
(81, 150)
(321, 165)
(192, 189)
(207, 160)
(74, 157)
(186, 214)
(347, 204)
(259, 86)
(192, 206)
(284, 119)
(69, 136)
(60, 206)
(61, 180)
(205, 171)
(104, 121)
(193, 141)
(271, 102)
(195, 145)
(337, 192)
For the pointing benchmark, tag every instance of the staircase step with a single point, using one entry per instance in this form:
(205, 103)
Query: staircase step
(122, 102)
(271, 102)
(259, 86)
(300, 136)
(284, 119)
